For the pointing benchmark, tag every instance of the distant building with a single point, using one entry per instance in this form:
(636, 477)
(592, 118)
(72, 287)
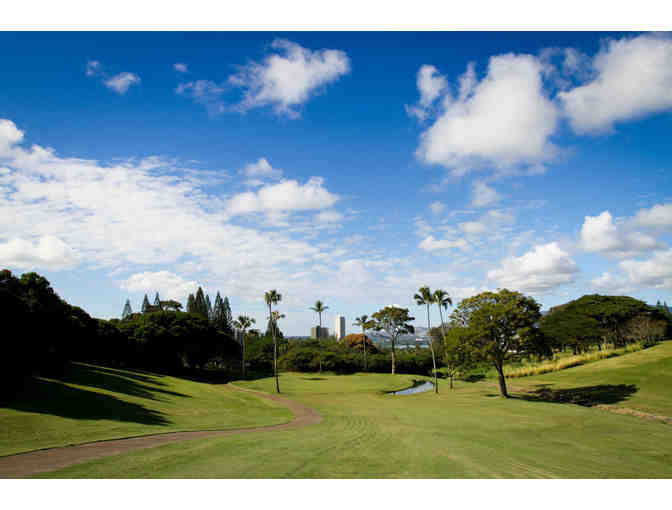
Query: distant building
(318, 332)
(339, 327)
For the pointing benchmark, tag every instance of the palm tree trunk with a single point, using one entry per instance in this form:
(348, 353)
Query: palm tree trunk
(275, 351)
(244, 356)
(431, 347)
(366, 365)
(319, 345)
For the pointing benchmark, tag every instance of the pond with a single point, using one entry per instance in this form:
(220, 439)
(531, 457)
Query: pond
(418, 387)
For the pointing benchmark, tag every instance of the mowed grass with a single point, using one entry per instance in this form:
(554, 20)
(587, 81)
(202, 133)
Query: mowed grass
(92, 403)
(468, 432)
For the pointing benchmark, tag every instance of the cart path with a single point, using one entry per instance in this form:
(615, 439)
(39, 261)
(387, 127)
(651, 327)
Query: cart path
(39, 461)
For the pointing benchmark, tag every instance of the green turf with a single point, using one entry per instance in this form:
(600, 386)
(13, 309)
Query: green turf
(469, 432)
(91, 402)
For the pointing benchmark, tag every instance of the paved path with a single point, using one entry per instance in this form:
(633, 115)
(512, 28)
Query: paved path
(39, 461)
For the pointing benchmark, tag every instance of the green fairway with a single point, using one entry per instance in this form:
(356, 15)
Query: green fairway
(469, 432)
(90, 403)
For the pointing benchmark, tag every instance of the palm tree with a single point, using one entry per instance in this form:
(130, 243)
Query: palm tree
(426, 298)
(243, 323)
(272, 297)
(319, 308)
(364, 323)
(442, 300)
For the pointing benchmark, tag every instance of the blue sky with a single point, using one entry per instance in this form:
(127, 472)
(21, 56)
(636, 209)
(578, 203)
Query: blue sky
(347, 167)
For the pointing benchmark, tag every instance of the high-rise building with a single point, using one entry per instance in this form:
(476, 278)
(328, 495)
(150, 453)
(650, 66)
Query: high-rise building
(339, 327)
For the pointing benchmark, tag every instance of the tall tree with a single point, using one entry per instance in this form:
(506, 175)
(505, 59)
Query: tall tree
(442, 300)
(208, 306)
(145, 305)
(191, 304)
(127, 310)
(319, 308)
(243, 323)
(394, 321)
(157, 301)
(200, 305)
(228, 316)
(273, 297)
(364, 323)
(498, 326)
(424, 297)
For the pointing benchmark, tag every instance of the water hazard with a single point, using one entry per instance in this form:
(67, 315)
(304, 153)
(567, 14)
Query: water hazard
(417, 388)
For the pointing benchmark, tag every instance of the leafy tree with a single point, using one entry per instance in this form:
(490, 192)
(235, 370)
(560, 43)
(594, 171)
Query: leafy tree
(498, 326)
(365, 323)
(319, 308)
(127, 310)
(424, 297)
(394, 321)
(145, 305)
(456, 354)
(571, 325)
(273, 297)
(243, 323)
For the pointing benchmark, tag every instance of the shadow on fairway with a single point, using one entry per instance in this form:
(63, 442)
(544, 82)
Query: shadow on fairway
(584, 395)
(52, 397)
(314, 378)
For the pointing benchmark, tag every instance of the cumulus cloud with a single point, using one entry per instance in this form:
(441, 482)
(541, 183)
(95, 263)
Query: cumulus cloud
(483, 195)
(654, 272)
(632, 78)
(288, 78)
(610, 283)
(430, 85)
(121, 82)
(287, 195)
(504, 120)
(658, 218)
(47, 252)
(167, 284)
(430, 244)
(540, 270)
(601, 234)
(328, 217)
(180, 67)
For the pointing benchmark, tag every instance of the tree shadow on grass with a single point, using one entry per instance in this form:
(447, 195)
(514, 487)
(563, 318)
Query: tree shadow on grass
(584, 395)
(127, 382)
(46, 396)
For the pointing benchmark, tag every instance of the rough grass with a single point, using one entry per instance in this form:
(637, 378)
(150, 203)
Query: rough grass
(91, 403)
(561, 363)
(469, 432)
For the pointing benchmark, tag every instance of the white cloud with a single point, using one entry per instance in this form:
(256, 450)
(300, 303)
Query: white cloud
(205, 92)
(658, 217)
(540, 270)
(287, 79)
(437, 207)
(633, 78)
(430, 244)
(430, 85)
(483, 195)
(654, 272)
(610, 283)
(601, 234)
(328, 217)
(490, 221)
(121, 82)
(287, 195)
(261, 168)
(47, 252)
(167, 284)
(505, 120)
(180, 68)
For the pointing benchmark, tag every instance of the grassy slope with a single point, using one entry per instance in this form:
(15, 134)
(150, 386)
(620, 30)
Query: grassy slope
(469, 432)
(91, 403)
